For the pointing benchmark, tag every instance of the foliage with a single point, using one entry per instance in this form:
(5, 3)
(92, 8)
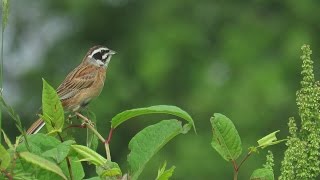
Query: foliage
(173, 110)
(226, 141)
(301, 160)
(51, 158)
(42, 162)
(265, 173)
(149, 141)
(236, 58)
(4, 14)
(164, 174)
(52, 109)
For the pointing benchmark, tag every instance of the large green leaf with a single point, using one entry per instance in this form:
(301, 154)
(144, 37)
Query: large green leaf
(89, 155)
(52, 109)
(149, 141)
(42, 163)
(5, 158)
(165, 109)
(226, 139)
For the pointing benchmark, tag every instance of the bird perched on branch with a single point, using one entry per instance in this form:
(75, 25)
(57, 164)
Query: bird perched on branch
(82, 84)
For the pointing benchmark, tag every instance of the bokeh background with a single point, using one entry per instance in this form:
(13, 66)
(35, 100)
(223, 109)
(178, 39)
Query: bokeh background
(236, 58)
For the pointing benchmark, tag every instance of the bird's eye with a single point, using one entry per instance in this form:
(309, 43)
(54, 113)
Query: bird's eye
(104, 51)
(97, 56)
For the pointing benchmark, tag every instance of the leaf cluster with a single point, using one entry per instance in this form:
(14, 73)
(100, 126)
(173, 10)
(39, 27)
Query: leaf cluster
(301, 160)
(52, 156)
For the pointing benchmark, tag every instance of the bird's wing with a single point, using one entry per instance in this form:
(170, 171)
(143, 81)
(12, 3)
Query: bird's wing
(80, 78)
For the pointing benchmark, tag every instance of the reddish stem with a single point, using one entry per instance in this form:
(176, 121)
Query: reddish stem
(76, 126)
(109, 136)
(244, 159)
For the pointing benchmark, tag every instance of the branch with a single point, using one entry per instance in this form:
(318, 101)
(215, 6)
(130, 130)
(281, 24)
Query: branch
(87, 122)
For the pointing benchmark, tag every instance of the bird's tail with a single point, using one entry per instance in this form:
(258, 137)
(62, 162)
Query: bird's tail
(36, 126)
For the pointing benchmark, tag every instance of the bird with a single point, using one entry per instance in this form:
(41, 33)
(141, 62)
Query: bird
(82, 84)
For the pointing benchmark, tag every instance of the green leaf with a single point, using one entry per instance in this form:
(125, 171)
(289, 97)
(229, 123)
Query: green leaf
(149, 141)
(42, 163)
(52, 149)
(262, 174)
(23, 168)
(13, 115)
(5, 158)
(39, 143)
(7, 140)
(165, 109)
(60, 152)
(226, 140)
(52, 108)
(92, 139)
(89, 155)
(269, 140)
(5, 13)
(164, 174)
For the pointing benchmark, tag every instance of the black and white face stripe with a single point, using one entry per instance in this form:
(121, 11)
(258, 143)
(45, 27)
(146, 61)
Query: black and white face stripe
(102, 56)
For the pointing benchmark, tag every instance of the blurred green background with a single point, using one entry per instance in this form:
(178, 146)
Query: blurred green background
(240, 59)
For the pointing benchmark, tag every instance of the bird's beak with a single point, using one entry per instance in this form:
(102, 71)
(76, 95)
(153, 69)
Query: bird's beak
(112, 52)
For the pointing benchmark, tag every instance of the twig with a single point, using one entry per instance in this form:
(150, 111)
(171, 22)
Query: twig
(109, 136)
(236, 167)
(235, 170)
(235, 175)
(74, 126)
(106, 145)
(244, 159)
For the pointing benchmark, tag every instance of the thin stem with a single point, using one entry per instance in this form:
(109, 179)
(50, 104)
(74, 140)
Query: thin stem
(14, 163)
(86, 120)
(235, 175)
(109, 136)
(69, 167)
(106, 145)
(1, 78)
(244, 159)
(1, 69)
(235, 170)
(236, 167)
(74, 126)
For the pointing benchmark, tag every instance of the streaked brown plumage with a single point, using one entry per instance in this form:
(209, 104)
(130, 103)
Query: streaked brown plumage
(82, 84)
